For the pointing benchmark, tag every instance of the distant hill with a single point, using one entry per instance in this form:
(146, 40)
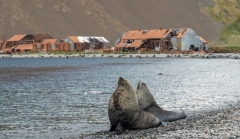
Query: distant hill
(228, 13)
(108, 18)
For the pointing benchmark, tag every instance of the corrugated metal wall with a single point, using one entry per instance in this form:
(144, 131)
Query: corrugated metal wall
(177, 43)
(191, 38)
(71, 43)
(184, 43)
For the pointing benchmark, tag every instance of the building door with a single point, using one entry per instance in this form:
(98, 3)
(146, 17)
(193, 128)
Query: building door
(191, 47)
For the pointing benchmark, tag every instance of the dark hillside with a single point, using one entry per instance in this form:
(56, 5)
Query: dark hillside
(108, 18)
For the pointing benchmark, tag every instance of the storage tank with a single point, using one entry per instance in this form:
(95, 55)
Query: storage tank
(57, 46)
(79, 46)
(49, 46)
(66, 46)
(34, 47)
(61, 46)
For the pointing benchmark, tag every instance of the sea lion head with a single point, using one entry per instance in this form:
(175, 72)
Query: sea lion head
(123, 83)
(144, 96)
(124, 97)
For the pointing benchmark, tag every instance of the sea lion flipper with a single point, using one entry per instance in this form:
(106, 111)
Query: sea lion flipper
(113, 122)
(122, 127)
(112, 127)
(163, 124)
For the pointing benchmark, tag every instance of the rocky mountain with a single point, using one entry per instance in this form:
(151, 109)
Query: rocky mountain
(108, 18)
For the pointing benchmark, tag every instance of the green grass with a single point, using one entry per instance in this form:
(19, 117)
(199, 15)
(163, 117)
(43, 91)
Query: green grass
(231, 29)
(228, 13)
(232, 47)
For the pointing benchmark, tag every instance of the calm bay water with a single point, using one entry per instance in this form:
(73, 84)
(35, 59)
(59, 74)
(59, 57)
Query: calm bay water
(59, 97)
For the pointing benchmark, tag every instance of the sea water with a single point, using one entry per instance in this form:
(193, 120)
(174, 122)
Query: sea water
(60, 97)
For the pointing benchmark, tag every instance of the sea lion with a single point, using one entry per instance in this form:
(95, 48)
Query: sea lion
(123, 110)
(147, 103)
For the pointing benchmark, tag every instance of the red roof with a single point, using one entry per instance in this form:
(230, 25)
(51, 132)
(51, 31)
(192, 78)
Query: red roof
(16, 38)
(182, 32)
(52, 41)
(146, 34)
(203, 40)
(135, 43)
(24, 46)
(138, 36)
(73, 38)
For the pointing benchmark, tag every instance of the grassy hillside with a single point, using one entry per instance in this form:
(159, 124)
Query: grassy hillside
(227, 12)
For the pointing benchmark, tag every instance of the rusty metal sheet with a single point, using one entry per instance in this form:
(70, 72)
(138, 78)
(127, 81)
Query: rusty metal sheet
(136, 43)
(17, 38)
(120, 44)
(24, 46)
(202, 39)
(146, 34)
(73, 38)
(182, 33)
(52, 41)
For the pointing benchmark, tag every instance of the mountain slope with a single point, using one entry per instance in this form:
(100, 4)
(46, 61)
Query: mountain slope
(227, 12)
(108, 18)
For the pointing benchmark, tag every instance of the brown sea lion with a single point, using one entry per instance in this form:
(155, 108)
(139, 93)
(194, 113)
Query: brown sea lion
(123, 110)
(147, 103)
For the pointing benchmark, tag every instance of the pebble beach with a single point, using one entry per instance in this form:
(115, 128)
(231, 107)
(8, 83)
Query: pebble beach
(160, 55)
(220, 124)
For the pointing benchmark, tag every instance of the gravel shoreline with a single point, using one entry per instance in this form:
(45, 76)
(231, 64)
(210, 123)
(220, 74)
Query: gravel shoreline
(222, 123)
(161, 55)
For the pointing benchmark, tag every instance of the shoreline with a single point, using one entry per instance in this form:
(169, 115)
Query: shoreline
(222, 123)
(162, 55)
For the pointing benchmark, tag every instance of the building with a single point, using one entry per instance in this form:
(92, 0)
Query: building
(24, 42)
(49, 45)
(87, 43)
(143, 40)
(183, 39)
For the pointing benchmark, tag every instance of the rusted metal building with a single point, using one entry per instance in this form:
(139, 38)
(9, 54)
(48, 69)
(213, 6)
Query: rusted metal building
(143, 40)
(24, 42)
(160, 40)
(186, 39)
(87, 43)
(49, 45)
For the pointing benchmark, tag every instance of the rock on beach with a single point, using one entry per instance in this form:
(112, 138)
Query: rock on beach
(160, 55)
(222, 123)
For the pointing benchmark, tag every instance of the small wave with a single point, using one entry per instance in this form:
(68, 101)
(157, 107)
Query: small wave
(92, 92)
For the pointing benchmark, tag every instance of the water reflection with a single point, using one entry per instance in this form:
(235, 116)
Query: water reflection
(49, 98)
